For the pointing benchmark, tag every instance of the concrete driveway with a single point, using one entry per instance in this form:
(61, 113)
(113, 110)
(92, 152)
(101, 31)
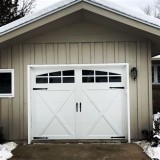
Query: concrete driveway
(88, 151)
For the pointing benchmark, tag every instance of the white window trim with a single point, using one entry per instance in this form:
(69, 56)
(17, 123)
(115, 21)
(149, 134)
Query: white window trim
(12, 78)
(155, 78)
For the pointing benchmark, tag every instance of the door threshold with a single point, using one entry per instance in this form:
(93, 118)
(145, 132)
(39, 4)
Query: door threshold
(81, 141)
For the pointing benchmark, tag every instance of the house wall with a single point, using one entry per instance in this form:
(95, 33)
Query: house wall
(82, 43)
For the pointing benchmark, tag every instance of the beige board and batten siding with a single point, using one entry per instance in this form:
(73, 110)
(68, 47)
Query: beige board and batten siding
(137, 54)
(78, 43)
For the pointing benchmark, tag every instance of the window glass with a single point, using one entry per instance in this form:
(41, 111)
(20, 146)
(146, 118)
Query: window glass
(88, 79)
(68, 73)
(87, 72)
(115, 79)
(44, 75)
(68, 79)
(5, 83)
(56, 77)
(110, 73)
(55, 73)
(101, 73)
(101, 79)
(55, 80)
(41, 80)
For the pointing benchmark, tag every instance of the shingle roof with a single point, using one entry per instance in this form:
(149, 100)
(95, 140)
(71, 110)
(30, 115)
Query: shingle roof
(105, 4)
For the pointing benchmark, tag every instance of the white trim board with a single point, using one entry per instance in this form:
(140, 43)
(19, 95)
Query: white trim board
(30, 67)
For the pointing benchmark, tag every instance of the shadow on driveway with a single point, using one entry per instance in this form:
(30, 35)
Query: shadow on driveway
(79, 152)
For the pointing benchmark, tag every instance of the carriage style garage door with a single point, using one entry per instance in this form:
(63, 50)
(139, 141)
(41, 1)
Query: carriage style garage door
(78, 102)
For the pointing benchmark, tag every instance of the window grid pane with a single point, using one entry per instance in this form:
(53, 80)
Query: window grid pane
(56, 77)
(94, 76)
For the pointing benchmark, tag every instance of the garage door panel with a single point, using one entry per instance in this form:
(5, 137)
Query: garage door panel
(101, 98)
(55, 128)
(103, 103)
(83, 109)
(51, 111)
(101, 128)
(115, 114)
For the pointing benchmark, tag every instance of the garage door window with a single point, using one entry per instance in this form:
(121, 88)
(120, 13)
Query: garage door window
(92, 76)
(56, 77)
(6, 83)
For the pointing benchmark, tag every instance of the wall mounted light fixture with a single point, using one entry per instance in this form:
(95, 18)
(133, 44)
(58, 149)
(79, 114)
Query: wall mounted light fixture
(134, 73)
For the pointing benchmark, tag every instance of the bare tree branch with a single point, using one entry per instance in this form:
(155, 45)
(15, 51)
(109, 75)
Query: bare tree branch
(153, 10)
(11, 10)
(148, 10)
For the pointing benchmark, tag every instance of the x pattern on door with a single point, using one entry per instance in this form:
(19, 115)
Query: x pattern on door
(55, 119)
(106, 112)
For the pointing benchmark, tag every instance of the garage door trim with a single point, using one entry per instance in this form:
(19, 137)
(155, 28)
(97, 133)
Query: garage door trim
(29, 70)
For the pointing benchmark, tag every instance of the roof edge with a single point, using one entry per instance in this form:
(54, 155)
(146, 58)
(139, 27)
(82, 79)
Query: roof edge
(122, 13)
(39, 17)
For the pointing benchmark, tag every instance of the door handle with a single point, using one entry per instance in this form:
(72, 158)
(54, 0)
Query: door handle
(76, 107)
(80, 106)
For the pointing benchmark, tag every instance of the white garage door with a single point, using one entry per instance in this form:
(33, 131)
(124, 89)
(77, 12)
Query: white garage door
(79, 102)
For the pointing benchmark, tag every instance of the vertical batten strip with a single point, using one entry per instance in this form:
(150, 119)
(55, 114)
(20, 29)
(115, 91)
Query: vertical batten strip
(68, 60)
(116, 56)
(144, 86)
(110, 52)
(56, 53)
(21, 92)
(150, 87)
(104, 52)
(139, 109)
(80, 53)
(44, 56)
(16, 99)
(10, 100)
(4, 101)
(92, 54)
(26, 62)
(32, 52)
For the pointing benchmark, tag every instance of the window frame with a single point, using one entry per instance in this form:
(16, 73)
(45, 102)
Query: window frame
(8, 95)
(61, 76)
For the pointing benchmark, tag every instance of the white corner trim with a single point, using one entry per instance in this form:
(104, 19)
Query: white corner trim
(30, 138)
(128, 104)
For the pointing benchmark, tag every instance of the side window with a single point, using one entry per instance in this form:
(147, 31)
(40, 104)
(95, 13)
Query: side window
(6, 83)
(66, 76)
(92, 76)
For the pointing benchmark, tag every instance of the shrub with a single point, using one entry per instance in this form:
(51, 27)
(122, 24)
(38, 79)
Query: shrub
(153, 136)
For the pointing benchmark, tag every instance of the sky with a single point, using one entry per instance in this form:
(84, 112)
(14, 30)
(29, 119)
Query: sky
(135, 5)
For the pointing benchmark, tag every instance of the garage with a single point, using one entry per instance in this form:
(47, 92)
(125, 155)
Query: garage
(78, 102)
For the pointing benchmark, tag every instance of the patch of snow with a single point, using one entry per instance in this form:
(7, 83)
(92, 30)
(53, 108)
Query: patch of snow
(157, 136)
(152, 152)
(156, 116)
(5, 150)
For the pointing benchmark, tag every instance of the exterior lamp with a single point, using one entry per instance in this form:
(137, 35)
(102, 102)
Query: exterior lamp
(134, 73)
